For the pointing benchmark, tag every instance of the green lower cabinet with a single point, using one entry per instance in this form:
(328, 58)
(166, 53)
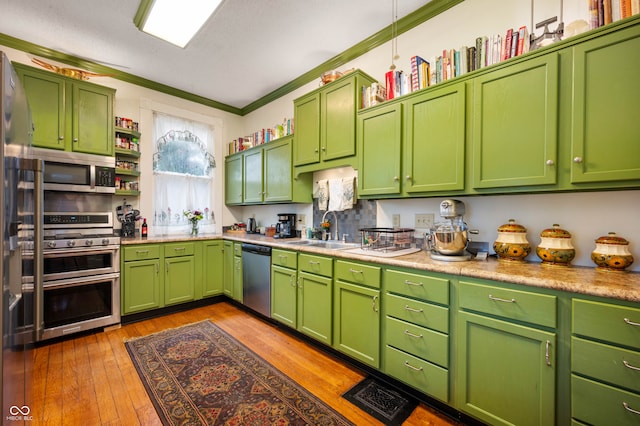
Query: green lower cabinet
(179, 280)
(213, 268)
(356, 322)
(228, 270)
(506, 371)
(597, 404)
(429, 378)
(284, 292)
(237, 278)
(141, 286)
(315, 306)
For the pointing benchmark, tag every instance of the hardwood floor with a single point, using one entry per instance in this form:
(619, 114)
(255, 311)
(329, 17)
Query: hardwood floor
(90, 379)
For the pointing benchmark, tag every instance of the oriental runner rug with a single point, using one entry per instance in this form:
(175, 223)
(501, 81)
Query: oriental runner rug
(200, 375)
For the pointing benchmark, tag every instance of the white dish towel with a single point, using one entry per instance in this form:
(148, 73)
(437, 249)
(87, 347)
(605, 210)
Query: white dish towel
(341, 194)
(321, 193)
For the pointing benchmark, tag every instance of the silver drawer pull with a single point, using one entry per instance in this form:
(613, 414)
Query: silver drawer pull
(629, 409)
(373, 304)
(282, 256)
(410, 334)
(355, 271)
(498, 299)
(406, 364)
(632, 367)
(546, 353)
(407, 282)
(628, 321)
(407, 308)
(142, 251)
(313, 262)
(179, 249)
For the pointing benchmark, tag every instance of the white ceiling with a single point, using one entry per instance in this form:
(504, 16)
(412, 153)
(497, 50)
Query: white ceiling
(247, 49)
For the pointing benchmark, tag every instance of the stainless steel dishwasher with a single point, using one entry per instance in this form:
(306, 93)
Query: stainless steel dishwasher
(256, 278)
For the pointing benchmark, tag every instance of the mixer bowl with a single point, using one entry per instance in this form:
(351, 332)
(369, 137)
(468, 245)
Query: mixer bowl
(450, 243)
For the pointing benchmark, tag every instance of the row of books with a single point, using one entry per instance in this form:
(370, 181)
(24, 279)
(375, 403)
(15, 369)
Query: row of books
(261, 136)
(456, 62)
(603, 12)
(373, 95)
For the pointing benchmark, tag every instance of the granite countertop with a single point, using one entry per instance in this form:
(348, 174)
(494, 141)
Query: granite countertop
(576, 279)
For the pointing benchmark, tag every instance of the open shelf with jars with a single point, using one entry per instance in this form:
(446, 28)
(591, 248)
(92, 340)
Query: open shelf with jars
(127, 152)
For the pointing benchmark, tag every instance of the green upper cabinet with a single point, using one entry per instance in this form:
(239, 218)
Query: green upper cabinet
(264, 174)
(379, 147)
(252, 176)
(605, 138)
(434, 148)
(515, 125)
(69, 114)
(233, 178)
(325, 134)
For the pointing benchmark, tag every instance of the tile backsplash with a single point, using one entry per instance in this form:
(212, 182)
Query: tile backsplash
(362, 215)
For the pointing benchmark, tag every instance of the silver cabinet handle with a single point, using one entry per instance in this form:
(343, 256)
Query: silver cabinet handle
(629, 409)
(498, 299)
(314, 262)
(406, 363)
(142, 251)
(291, 281)
(324, 149)
(355, 271)
(396, 178)
(166, 263)
(157, 268)
(299, 284)
(179, 249)
(577, 160)
(407, 282)
(408, 177)
(282, 256)
(315, 150)
(546, 353)
(407, 308)
(60, 138)
(632, 367)
(628, 321)
(410, 334)
(550, 163)
(373, 304)
(75, 139)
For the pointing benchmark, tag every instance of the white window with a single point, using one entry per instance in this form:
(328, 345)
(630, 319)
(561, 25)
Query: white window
(183, 164)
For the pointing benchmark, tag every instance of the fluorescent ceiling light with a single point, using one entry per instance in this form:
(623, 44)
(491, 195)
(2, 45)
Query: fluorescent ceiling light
(176, 21)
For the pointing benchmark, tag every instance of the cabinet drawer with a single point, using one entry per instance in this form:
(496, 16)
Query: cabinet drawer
(358, 273)
(179, 249)
(420, 286)
(599, 404)
(318, 265)
(142, 252)
(614, 365)
(284, 258)
(237, 249)
(417, 312)
(419, 341)
(428, 378)
(608, 322)
(515, 304)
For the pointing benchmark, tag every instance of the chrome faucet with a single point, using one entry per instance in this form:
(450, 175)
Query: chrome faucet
(335, 220)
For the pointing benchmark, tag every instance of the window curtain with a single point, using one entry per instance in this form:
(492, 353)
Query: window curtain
(176, 191)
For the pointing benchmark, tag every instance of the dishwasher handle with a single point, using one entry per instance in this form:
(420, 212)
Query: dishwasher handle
(256, 249)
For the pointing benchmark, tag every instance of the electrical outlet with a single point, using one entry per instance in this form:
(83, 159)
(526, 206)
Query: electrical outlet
(302, 219)
(424, 220)
(396, 220)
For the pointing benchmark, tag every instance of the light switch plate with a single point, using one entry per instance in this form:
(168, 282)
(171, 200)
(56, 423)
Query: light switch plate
(396, 220)
(424, 221)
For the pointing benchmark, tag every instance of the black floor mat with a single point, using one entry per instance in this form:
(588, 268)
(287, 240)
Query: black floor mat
(383, 402)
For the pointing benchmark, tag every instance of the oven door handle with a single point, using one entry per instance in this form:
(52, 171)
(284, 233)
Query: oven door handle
(74, 282)
(38, 251)
(78, 250)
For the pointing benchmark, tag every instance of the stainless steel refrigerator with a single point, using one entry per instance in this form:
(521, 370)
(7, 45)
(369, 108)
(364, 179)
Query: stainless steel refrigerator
(20, 207)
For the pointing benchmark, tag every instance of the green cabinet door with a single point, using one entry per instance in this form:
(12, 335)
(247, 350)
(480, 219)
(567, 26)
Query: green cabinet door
(228, 270)
(515, 125)
(434, 148)
(315, 306)
(252, 176)
(284, 295)
(233, 178)
(213, 268)
(92, 119)
(179, 280)
(356, 322)
(237, 278)
(606, 100)
(278, 172)
(339, 104)
(141, 286)
(379, 146)
(506, 372)
(306, 147)
(46, 94)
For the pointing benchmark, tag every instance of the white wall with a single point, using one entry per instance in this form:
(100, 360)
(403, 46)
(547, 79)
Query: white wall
(586, 215)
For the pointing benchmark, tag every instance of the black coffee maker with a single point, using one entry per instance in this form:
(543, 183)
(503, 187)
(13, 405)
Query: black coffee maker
(286, 227)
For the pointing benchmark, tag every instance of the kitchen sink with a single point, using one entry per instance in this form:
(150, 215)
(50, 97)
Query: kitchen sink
(335, 245)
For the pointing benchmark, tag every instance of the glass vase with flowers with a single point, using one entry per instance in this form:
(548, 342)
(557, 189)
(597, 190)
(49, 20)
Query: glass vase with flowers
(194, 217)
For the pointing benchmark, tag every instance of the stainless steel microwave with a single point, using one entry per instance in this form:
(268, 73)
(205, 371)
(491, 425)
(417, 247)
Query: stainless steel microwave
(77, 172)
